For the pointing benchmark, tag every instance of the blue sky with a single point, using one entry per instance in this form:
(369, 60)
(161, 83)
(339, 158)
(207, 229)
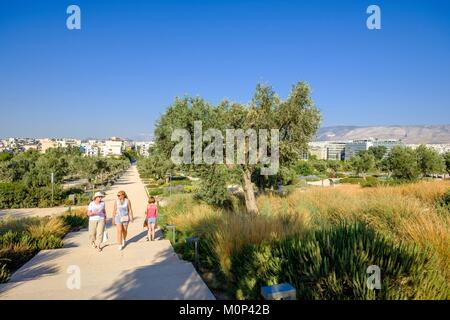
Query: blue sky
(132, 58)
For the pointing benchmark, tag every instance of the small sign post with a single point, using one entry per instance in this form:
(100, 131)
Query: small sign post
(52, 178)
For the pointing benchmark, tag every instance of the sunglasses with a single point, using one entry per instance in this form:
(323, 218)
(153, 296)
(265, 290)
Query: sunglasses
(119, 195)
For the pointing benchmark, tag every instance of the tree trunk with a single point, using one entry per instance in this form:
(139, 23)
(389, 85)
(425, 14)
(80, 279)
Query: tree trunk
(249, 193)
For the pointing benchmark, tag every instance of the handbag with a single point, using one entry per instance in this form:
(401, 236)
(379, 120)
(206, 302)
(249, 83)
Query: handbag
(145, 223)
(124, 219)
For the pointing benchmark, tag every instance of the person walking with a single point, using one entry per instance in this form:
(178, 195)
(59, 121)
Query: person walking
(151, 214)
(97, 219)
(122, 215)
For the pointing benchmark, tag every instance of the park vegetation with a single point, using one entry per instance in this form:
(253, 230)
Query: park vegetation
(296, 118)
(25, 178)
(21, 239)
(388, 210)
(322, 240)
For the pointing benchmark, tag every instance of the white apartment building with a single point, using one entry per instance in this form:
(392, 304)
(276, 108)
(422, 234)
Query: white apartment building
(90, 149)
(441, 148)
(2, 145)
(65, 143)
(112, 148)
(326, 150)
(45, 144)
(143, 147)
(30, 147)
(318, 149)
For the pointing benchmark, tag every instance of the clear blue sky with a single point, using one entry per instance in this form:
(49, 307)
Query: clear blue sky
(132, 58)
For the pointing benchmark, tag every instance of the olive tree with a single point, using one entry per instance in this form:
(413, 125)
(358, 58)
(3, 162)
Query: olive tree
(295, 121)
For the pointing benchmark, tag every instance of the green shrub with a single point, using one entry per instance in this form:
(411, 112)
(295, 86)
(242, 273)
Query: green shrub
(156, 191)
(332, 263)
(370, 182)
(18, 195)
(4, 273)
(180, 183)
(192, 189)
(49, 242)
(75, 221)
(445, 200)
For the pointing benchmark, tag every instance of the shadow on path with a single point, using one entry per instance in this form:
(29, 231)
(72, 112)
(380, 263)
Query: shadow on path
(169, 279)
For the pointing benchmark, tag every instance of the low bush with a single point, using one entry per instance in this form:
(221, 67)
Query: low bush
(18, 195)
(4, 273)
(445, 199)
(76, 219)
(156, 191)
(332, 263)
(370, 182)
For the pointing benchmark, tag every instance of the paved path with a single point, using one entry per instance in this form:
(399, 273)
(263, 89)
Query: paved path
(323, 183)
(34, 212)
(143, 270)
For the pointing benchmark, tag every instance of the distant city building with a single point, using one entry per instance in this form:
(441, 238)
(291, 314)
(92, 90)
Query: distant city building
(326, 150)
(388, 143)
(354, 147)
(440, 148)
(336, 151)
(318, 149)
(46, 144)
(113, 147)
(143, 147)
(65, 143)
(344, 150)
(90, 149)
(27, 147)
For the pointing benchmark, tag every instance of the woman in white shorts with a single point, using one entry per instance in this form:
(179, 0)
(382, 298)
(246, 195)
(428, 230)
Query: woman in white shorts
(122, 215)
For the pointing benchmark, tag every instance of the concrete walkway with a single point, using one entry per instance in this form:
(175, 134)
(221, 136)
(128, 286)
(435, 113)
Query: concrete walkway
(143, 270)
(324, 183)
(35, 212)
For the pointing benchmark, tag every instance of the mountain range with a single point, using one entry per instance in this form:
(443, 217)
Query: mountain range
(411, 134)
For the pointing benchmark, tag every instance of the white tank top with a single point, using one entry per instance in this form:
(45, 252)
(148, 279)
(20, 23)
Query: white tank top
(122, 208)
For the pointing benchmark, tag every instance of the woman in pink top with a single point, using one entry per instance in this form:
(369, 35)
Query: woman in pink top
(151, 213)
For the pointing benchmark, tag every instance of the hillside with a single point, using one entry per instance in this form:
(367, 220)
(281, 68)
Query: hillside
(408, 134)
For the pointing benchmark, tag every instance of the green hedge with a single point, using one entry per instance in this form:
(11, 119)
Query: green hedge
(18, 195)
(332, 264)
(367, 182)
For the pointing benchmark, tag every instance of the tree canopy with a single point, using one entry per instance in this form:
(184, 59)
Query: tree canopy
(296, 119)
